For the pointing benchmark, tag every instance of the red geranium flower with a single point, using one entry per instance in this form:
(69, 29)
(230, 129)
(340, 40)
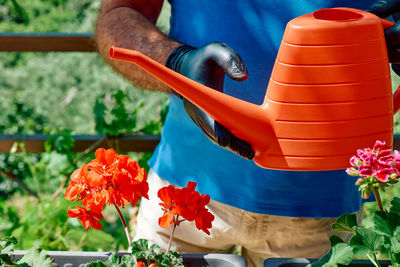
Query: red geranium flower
(77, 184)
(87, 218)
(111, 178)
(128, 183)
(105, 163)
(203, 220)
(185, 202)
(170, 207)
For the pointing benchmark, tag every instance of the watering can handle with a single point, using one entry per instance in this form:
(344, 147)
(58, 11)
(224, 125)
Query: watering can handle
(396, 101)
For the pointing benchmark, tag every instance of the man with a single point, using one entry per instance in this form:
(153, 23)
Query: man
(269, 213)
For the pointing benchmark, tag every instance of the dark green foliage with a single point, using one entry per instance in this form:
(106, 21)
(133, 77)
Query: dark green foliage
(9, 218)
(113, 118)
(20, 118)
(366, 242)
(46, 15)
(46, 224)
(11, 10)
(141, 251)
(154, 254)
(7, 244)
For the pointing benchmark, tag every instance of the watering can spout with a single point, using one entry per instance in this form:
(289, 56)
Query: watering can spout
(215, 103)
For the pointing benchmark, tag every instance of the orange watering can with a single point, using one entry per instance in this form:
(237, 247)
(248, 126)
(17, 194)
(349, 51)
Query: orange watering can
(329, 93)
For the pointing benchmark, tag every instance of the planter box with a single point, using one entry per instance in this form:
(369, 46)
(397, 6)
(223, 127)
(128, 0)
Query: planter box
(302, 262)
(80, 258)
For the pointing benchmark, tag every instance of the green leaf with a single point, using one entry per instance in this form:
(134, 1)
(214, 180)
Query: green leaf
(6, 260)
(7, 245)
(396, 234)
(367, 238)
(345, 223)
(340, 253)
(394, 245)
(172, 258)
(385, 223)
(334, 239)
(155, 252)
(6, 249)
(140, 248)
(165, 262)
(395, 257)
(359, 250)
(97, 264)
(175, 258)
(395, 208)
(20, 11)
(113, 259)
(128, 261)
(381, 223)
(36, 257)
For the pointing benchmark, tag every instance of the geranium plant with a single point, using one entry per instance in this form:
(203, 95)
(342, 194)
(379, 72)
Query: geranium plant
(118, 180)
(377, 168)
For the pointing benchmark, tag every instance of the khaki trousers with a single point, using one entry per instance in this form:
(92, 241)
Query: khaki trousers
(260, 236)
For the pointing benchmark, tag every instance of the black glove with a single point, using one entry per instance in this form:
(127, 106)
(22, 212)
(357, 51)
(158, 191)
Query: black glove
(208, 65)
(383, 9)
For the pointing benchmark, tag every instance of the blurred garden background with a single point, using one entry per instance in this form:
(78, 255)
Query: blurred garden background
(66, 94)
(62, 94)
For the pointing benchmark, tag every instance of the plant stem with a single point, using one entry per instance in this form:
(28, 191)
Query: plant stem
(60, 189)
(378, 198)
(125, 227)
(373, 259)
(172, 233)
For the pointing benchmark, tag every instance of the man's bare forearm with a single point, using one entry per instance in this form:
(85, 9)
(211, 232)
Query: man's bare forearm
(127, 28)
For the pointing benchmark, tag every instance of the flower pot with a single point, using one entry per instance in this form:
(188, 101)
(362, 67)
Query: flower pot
(80, 258)
(302, 262)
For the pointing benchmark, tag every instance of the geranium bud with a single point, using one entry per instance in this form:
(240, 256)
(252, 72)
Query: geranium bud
(359, 181)
(352, 171)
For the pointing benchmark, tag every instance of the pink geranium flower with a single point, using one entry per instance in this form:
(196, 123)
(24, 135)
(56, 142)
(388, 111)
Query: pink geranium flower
(376, 166)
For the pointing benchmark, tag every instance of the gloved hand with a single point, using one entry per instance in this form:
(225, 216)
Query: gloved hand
(384, 9)
(208, 65)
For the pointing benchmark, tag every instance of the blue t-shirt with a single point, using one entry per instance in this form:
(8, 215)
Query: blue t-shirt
(253, 28)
